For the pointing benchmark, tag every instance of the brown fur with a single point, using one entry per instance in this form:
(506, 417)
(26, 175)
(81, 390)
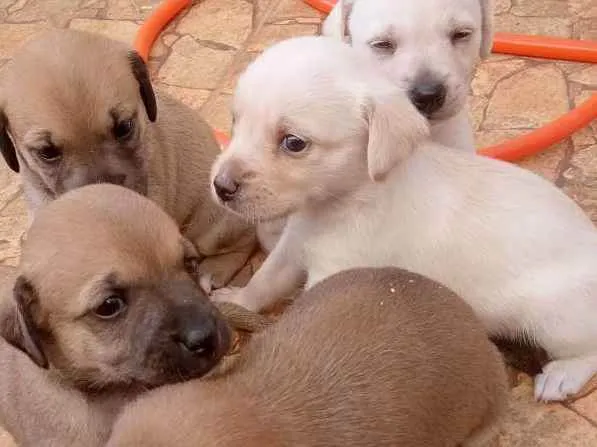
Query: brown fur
(368, 357)
(91, 245)
(56, 99)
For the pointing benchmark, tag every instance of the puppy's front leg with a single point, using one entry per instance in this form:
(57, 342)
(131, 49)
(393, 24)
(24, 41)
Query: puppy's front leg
(279, 276)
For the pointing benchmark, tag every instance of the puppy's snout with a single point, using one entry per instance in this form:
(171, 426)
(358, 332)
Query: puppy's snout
(428, 97)
(201, 340)
(225, 187)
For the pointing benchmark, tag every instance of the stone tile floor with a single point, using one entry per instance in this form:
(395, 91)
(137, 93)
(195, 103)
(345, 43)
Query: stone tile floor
(200, 55)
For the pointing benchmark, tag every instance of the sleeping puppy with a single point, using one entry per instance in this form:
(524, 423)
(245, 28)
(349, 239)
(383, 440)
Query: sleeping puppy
(67, 120)
(342, 151)
(399, 361)
(99, 313)
(428, 47)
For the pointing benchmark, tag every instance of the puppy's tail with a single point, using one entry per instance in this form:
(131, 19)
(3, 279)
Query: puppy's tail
(241, 319)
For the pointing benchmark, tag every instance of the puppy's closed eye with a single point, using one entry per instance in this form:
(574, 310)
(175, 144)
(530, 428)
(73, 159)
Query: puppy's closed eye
(385, 46)
(48, 153)
(460, 35)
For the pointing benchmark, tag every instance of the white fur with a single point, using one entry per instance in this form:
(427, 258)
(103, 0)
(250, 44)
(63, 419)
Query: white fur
(421, 28)
(421, 31)
(516, 248)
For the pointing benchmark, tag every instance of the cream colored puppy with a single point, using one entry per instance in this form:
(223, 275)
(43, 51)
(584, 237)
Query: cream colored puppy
(431, 54)
(368, 357)
(428, 47)
(331, 143)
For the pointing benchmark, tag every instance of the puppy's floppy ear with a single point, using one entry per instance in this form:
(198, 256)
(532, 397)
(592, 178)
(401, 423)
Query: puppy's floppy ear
(18, 326)
(486, 27)
(145, 89)
(396, 128)
(6, 146)
(336, 23)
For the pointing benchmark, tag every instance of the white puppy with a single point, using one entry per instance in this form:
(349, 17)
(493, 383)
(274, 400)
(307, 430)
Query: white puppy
(428, 47)
(326, 140)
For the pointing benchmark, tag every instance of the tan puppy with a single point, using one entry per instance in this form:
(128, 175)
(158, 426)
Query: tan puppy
(368, 357)
(105, 312)
(67, 120)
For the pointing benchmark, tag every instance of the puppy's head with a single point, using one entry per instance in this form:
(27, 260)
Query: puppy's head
(311, 123)
(73, 111)
(107, 294)
(430, 47)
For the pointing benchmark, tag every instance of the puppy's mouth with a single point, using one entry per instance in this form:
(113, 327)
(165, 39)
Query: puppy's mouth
(255, 214)
(454, 104)
(446, 112)
(253, 211)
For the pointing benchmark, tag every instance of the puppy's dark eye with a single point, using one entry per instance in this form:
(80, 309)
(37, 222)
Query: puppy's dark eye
(49, 154)
(111, 307)
(123, 130)
(294, 144)
(383, 45)
(460, 35)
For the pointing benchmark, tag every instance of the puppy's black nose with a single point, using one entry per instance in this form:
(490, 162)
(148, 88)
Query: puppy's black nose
(201, 341)
(428, 97)
(225, 187)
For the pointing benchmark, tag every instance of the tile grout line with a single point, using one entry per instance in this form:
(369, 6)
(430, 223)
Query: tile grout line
(274, 4)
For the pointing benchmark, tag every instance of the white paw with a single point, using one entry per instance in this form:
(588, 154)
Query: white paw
(235, 295)
(561, 379)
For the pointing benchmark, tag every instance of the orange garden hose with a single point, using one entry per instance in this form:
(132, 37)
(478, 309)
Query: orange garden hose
(153, 26)
(505, 43)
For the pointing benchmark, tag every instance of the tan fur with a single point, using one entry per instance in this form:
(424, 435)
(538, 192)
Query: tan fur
(368, 357)
(55, 95)
(92, 244)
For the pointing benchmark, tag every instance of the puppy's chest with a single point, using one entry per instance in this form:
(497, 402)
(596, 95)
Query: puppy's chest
(355, 237)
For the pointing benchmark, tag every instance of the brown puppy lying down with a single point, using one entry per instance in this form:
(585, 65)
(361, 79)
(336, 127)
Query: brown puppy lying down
(77, 108)
(368, 357)
(105, 306)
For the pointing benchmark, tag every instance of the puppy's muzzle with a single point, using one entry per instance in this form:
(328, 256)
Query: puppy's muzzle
(198, 329)
(428, 97)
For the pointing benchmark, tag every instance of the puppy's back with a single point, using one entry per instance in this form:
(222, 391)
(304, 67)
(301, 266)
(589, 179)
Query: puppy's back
(399, 355)
(369, 357)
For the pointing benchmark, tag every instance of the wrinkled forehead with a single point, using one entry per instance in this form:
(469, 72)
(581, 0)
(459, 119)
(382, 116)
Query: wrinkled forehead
(84, 229)
(65, 94)
(75, 262)
(371, 18)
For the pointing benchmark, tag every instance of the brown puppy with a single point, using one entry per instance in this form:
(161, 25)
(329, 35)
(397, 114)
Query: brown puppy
(77, 108)
(106, 305)
(368, 357)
